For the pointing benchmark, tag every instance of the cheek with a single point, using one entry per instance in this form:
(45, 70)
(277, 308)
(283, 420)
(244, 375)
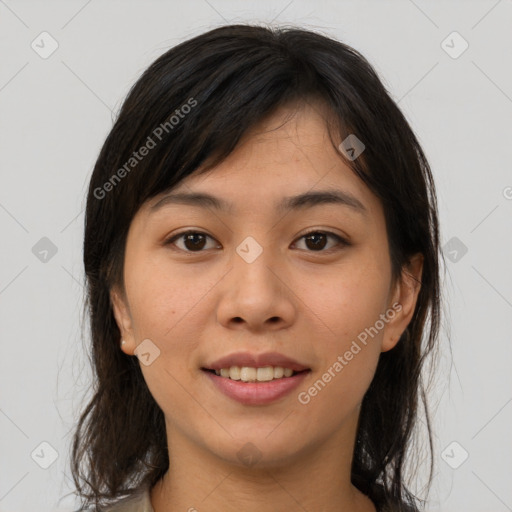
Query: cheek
(349, 307)
(165, 308)
(350, 348)
(163, 298)
(351, 301)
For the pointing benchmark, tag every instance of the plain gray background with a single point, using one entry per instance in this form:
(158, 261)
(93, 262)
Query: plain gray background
(57, 109)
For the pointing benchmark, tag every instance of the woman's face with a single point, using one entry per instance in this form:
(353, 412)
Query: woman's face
(249, 284)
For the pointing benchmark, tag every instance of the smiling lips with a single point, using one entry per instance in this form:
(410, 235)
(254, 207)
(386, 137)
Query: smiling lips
(255, 367)
(256, 379)
(249, 360)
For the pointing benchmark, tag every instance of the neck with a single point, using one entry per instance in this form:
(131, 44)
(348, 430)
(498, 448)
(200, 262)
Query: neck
(317, 479)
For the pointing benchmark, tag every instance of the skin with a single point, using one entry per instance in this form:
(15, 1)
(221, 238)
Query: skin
(306, 303)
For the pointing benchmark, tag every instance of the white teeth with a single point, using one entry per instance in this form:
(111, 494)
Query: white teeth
(264, 374)
(234, 373)
(248, 374)
(278, 372)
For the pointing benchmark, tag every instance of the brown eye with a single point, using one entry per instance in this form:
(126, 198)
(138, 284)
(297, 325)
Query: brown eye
(192, 241)
(316, 241)
(196, 241)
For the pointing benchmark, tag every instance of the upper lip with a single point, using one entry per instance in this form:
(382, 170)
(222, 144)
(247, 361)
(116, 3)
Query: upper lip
(256, 361)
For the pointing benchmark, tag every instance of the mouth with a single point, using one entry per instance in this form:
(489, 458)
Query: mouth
(251, 391)
(256, 379)
(255, 374)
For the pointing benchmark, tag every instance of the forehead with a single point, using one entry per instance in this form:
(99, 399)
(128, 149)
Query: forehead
(287, 155)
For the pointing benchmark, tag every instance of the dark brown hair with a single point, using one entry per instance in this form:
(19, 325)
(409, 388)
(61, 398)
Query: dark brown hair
(200, 98)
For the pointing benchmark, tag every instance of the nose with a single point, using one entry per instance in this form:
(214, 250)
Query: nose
(257, 296)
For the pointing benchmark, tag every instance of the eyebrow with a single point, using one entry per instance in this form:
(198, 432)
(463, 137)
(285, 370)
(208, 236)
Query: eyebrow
(298, 202)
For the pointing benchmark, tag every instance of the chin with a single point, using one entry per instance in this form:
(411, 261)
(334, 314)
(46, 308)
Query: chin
(256, 449)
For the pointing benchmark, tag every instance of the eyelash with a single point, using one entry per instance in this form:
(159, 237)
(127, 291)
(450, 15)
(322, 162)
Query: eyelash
(341, 241)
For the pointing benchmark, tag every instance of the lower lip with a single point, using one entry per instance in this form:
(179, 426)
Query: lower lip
(256, 393)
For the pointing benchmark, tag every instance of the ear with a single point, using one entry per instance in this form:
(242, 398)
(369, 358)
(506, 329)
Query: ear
(123, 320)
(403, 301)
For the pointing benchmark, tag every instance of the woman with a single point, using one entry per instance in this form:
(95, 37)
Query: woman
(262, 255)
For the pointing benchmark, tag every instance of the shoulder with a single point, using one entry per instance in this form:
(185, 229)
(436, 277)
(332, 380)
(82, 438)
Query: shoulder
(139, 502)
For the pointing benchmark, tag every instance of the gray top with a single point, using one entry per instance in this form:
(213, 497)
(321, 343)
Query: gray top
(141, 502)
(136, 503)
